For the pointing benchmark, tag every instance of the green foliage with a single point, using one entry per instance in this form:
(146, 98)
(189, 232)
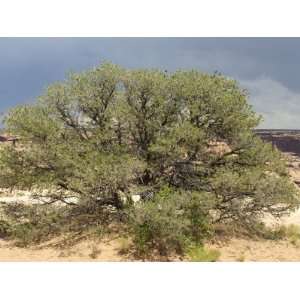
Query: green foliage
(124, 245)
(260, 230)
(31, 224)
(293, 234)
(110, 131)
(34, 224)
(290, 232)
(241, 258)
(169, 223)
(200, 254)
(4, 229)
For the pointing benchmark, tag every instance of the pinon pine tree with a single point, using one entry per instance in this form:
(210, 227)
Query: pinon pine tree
(108, 131)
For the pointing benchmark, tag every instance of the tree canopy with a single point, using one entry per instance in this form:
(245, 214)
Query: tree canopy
(110, 130)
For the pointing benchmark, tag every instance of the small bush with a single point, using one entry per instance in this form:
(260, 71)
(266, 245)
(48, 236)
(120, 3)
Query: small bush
(95, 251)
(169, 223)
(241, 258)
(26, 234)
(28, 223)
(124, 245)
(33, 224)
(200, 254)
(35, 230)
(292, 233)
(4, 229)
(154, 231)
(259, 229)
(275, 234)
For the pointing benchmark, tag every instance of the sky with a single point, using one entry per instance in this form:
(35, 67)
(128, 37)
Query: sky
(268, 68)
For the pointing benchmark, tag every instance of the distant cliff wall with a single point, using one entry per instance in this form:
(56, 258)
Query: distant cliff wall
(284, 140)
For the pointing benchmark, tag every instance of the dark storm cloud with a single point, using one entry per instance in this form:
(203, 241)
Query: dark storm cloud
(267, 67)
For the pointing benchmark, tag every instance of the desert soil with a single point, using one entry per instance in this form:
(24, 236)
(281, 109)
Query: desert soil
(82, 251)
(258, 250)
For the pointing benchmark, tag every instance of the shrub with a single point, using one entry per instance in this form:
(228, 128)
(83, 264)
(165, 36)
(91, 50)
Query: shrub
(124, 245)
(241, 258)
(289, 232)
(169, 223)
(4, 229)
(95, 251)
(33, 224)
(292, 233)
(200, 254)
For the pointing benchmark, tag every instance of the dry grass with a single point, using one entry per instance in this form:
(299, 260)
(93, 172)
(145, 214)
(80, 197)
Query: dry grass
(201, 254)
(292, 233)
(125, 245)
(241, 258)
(95, 252)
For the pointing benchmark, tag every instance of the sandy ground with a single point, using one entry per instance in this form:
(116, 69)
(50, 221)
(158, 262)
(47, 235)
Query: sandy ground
(83, 251)
(259, 251)
(235, 250)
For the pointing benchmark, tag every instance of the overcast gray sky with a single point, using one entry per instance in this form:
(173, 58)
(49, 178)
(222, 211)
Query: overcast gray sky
(268, 67)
